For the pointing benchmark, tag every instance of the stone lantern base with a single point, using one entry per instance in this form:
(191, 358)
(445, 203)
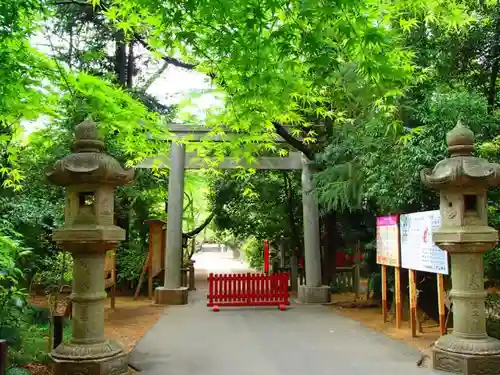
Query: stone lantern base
(467, 356)
(466, 364)
(117, 365)
(71, 359)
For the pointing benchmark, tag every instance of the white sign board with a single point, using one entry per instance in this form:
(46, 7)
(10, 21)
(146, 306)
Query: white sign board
(418, 251)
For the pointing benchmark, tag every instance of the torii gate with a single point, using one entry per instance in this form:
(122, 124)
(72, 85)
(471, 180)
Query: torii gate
(172, 293)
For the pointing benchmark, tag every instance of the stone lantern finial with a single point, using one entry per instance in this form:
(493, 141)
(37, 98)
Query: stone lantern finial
(461, 170)
(87, 137)
(460, 140)
(89, 162)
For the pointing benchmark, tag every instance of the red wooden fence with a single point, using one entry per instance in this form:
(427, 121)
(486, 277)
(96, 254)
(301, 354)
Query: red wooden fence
(248, 290)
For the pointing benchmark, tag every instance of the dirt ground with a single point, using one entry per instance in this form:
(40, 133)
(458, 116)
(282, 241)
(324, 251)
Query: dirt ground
(127, 323)
(371, 317)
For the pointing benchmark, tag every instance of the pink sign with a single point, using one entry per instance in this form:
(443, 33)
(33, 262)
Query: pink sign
(387, 220)
(388, 241)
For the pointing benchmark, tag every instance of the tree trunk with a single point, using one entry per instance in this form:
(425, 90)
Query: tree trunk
(294, 232)
(130, 66)
(330, 242)
(121, 58)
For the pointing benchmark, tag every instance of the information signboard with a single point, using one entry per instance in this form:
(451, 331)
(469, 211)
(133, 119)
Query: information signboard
(418, 251)
(388, 241)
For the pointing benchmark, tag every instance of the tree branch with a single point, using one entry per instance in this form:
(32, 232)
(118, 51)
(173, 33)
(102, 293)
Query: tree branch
(72, 2)
(201, 227)
(167, 59)
(154, 77)
(292, 141)
(137, 37)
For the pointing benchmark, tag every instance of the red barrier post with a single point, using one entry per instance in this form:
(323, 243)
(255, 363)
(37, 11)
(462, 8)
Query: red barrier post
(211, 289)
(266, 256)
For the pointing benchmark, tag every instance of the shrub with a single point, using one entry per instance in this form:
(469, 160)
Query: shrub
(130, 261)
(18, 371)
(35, 342)
(34, 348)
(56, 270)
(12, 296)
(493, 314)
(492, 265)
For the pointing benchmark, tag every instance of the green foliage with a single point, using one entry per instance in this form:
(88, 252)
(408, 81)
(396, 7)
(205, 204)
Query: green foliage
(12, 294)
(357, 168)
(18, 371)
(256, 204)
(130, 261)
(492, 265)
(281, 61)
(492, 318)
(56, 271)
(34, 348)
(253, 252)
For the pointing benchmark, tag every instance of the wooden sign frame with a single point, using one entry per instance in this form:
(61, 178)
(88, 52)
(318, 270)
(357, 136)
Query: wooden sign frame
(412, 290)
(413, 293)
(110, 282)
(155, 242)
(394, 261)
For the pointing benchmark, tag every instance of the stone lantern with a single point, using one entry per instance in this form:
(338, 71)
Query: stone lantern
(463, 181)
(90, 177)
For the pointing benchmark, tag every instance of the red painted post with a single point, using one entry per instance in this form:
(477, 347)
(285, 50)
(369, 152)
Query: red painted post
(211, 289)
(266, 256)
(3, 357)
(216, 288)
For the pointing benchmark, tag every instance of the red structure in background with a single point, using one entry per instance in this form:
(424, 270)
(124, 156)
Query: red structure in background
(248, 290)
(266, 256)
(345, 260)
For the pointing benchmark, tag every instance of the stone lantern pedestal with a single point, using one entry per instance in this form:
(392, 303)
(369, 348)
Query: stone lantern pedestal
(90, 177)
(462, 181)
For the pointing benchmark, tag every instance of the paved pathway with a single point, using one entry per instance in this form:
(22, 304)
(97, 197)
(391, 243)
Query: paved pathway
(193, 340)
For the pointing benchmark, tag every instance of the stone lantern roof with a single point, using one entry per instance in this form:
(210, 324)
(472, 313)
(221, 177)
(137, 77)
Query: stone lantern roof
(461, 169)
(89, 163)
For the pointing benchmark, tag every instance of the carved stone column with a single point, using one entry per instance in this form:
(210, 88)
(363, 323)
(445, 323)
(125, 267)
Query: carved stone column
(462, 181)
(90, 177)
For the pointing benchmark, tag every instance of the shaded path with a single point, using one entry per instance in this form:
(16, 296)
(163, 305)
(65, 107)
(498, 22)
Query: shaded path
(193, 340)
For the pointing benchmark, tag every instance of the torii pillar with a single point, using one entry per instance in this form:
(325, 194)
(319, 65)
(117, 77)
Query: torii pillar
(172, 293)
(312, 291)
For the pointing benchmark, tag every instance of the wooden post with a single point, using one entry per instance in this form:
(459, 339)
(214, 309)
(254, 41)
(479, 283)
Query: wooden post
(397, 296)
(413, 302)
(441, 305)
(150, 265)
(384, 292)
(191, 282)
(141, 279)
(294, 272)
(184, 276)
(113, 279)
(58, 324)
(3, 357)
(357, 270)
